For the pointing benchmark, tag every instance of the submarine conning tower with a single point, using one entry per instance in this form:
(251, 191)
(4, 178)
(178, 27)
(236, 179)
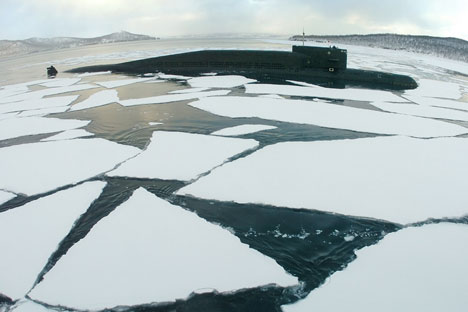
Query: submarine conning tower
(331, 58)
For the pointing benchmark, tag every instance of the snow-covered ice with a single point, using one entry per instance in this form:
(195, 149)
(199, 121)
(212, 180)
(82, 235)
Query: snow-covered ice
(321, 92)
(46, 92)
(122, 82)
(94, 74)
(34, 104)
(438, 102)
(43, 111)
(69, 134)
(31, 233)
(189, 90)
(7, 115)
(60, 82)
(414, 269)
(16, 127)
(160, 99)
(40, 167)
(182, 156)
(242, 129)
(422, 111)
(229, 81)
(97, 99)
(176, 77)
(437, 89)
(397, 178)
(5, 196)
(327, 115)
(148, 250)
(26, 305)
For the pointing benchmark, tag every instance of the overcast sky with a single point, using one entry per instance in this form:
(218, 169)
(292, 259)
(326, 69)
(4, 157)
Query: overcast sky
(21, 19)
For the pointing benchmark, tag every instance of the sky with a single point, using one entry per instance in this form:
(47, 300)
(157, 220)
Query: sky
(21, 19)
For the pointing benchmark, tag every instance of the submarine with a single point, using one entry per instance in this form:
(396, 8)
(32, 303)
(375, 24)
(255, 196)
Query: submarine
(324, 66)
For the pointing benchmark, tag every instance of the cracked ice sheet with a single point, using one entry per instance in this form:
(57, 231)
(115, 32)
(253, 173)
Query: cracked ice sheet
(31, 233)
(437, 89)
(242, 129)
(219, 81)
(97, 99)
(177, 253)
(160, 99)
(60, 82)
(397, 178)
(46, 92)
(40, 167)
(5, 196)
(34, 104)
(69, 134)
(43, 112)
(421, 100)
(422, 111)
(182, 156)
(321, 92)
(414, 269)
(122, 82)
(327, 115)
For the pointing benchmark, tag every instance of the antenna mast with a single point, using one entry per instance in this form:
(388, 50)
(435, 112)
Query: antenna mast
(303, 36)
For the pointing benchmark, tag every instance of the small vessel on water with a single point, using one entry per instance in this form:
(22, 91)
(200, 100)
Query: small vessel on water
(317, 65)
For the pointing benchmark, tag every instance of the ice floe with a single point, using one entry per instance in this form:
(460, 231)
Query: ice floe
(182, 156)
(242, 129)
(189, 90)
(34, 104)
(97, 99)
(153, 123)
(43, 111)
(7, 115)
(321, 92)
(46, 92)
(438, 102)
(122, 82)
(175, 77)
(69, 134)
(397, 178)
(31, 233)
(40, 167)
(16, 127)
(229, 81)
(414, 269)
(148, 250)
(94, 74)
(327, 115)
(435, 88)
(5, 196)
(26, 305)
(422, 111)
(172, 98)
(60, 82)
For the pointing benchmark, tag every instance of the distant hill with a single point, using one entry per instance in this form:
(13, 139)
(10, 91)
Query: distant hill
(31, 45)
(451, 48)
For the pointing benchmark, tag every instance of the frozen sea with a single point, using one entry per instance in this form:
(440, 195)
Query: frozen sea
(223, 193)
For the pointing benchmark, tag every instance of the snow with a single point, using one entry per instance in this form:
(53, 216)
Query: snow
(422, 111)
(60, 82)
(46, 92)
(34, 104)
(160, 99)
(327, 115)
(122, 82)
(438, 102)
(321, 92)
(229, 81)
(435, 88)
(190, 90)
(396, 178)
(148, 250)
(414, 269)
(175, 77)
(182, 156)
(69, 134)
(40, 167)
(94, 74)
(242, 129)
(7, 115)
(5, 196)
(16, 127)
(29, 306)
(97, 99)
(31, 233)
(43, 112)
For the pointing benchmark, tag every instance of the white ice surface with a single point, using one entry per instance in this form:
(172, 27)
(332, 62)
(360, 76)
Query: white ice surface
(97, 99)
(172, 98)
(31, 233)
(242, 129)
(148, 250)
(7, 115)
(438, 102)
(46, 92)
(320, 92)
(189, 90)
(177, 77)
(422, 111)
(327, 115)
(94, 74)
(397, 178)
(122, 82)
(16, 127)
(43, 111)
(40, 167)
(29, 306)
(60, 82)
(34, 104)
(437, 89)
(219, 81)
(5, 196)
(182, 156)
(69, 134)
(414, 269)
(153, 123)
